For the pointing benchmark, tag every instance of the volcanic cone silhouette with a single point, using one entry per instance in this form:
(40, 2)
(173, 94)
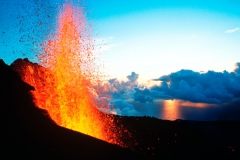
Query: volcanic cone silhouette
(28, 132)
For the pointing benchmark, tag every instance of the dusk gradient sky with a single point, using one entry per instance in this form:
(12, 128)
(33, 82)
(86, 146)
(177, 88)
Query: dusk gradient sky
(189, 49)
(154, 38)
(151, 38)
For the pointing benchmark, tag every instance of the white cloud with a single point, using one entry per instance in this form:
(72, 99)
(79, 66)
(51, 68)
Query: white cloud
(104, 40)
(105, 43)
(232, 30)
(106, 47)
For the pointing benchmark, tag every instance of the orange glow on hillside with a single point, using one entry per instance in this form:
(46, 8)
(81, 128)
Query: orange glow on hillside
(64, 86)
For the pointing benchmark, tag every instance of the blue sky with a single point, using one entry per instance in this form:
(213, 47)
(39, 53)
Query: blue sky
(24, 26)
(190, 48)
(149, 37)
(154, 38)
(174, 42)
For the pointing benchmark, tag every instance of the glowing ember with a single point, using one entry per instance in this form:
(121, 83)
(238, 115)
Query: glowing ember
(64, 87)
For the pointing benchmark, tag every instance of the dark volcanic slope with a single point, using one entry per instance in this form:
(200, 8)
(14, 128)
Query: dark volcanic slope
(180, 139)
(28, 132)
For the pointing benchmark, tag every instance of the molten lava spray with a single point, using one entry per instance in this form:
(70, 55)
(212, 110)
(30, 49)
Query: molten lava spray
(64, 85)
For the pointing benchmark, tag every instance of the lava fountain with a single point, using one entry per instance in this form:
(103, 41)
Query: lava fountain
(63, 86)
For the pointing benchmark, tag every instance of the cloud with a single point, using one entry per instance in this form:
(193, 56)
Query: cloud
(218, 89)
(106, 47)
(232, 30)
(237, 68)
(123, 108)
(104, 40)
(144, 95)
(229, 111)
(226, 111)
(114, 93)
(133, 77)
(116, 106)
(119, 89)
(104, 44)
(209, 87)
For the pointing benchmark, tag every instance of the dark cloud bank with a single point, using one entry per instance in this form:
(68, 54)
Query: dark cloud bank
(218, 89)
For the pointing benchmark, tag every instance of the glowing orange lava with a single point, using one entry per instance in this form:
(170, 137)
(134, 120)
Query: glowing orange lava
(64, 85)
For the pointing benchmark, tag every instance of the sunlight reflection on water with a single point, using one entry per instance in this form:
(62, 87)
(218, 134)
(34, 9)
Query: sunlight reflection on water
(178, 109)
(170, 110)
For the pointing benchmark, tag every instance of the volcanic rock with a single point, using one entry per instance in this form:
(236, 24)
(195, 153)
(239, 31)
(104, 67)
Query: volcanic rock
(28, 132)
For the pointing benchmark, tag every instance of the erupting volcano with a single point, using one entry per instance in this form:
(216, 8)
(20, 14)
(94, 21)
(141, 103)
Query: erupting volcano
(64, 86)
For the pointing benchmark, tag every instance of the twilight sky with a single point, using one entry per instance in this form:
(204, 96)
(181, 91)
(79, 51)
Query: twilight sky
(154, 38)
(189, 49)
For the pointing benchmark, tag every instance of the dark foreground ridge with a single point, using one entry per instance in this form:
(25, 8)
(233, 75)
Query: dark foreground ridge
(27, 132)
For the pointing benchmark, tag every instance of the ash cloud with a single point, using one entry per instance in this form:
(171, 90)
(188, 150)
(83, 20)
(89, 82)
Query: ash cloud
(129, 98)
